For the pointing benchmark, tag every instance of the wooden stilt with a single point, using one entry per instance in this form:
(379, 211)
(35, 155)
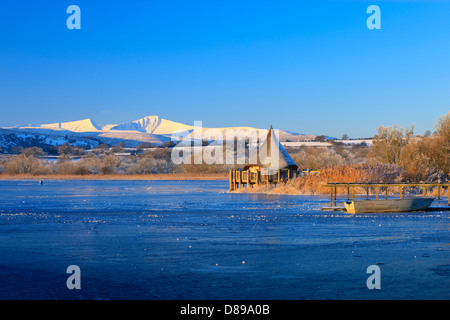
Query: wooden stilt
(240, 178)
(331, 196)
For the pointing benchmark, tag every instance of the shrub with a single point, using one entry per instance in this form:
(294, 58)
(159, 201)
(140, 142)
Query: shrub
(25, 164)
(317, 158)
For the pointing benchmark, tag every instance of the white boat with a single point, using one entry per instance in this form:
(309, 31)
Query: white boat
(390, 205)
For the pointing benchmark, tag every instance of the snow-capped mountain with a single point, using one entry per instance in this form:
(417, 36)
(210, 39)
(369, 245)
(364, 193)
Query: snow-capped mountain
(86, 125)
(150, 129)
(152, 125)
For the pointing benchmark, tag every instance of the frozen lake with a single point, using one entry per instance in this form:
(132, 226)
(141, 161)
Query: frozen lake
(194, 240)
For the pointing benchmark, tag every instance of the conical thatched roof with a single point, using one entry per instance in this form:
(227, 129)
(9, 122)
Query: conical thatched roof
(271, 155)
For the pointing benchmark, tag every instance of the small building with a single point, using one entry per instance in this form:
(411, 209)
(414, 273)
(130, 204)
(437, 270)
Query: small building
(270, 164)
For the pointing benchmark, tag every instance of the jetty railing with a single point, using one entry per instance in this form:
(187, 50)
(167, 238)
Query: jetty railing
(377, 186)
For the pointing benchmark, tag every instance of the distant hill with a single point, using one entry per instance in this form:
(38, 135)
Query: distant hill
(87, 133)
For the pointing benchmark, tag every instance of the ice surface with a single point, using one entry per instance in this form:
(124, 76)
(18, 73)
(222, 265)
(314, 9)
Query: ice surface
(189, 239)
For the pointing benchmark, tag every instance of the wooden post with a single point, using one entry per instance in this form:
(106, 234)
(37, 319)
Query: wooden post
(244, 183)
(439, 192)
(279, 175)
(331, 196)
(367, 192)
(348, 192)
(386, 192)
(258, 176)
(241, 178)
(376, 193)
(234, 179)
(353, 194)
(239, 172)
(448, 195)
(424, 191)
(231, 180)
(401, 192)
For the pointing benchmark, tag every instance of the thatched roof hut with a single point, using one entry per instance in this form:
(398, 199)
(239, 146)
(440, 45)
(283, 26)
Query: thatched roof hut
(271, 155)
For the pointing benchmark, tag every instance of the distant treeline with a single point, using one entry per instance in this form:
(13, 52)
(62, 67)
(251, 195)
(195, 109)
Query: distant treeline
(414, 158)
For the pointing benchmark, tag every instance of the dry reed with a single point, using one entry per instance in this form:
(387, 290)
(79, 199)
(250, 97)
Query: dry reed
(313, 184)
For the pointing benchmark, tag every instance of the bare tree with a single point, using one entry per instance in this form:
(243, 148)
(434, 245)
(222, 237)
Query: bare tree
(388, 143)
(65, 150)
(33, 152)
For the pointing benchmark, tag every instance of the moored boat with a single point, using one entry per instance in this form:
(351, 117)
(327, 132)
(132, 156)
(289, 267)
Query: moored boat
(390, 205)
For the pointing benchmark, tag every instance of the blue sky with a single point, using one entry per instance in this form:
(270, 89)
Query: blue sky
(305, 66)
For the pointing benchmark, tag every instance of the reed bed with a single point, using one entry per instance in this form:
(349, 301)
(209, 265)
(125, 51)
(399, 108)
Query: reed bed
(361, 173)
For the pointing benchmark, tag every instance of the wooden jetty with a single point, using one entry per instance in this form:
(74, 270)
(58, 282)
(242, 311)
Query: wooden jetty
(380, 188)
(270, 164)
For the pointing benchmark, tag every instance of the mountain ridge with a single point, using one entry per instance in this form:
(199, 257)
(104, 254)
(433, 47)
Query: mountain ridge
(84, 125)
(149, 129)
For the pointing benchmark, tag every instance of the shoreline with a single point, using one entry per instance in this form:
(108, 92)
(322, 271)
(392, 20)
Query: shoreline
(156, 176)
